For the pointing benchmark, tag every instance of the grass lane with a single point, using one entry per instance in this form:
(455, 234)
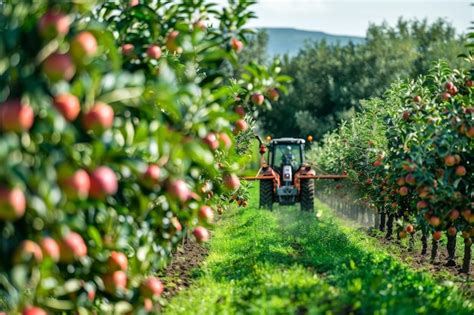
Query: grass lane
(287, 262)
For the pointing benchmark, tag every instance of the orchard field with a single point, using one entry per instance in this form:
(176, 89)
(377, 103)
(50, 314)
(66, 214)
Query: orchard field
(125, 127)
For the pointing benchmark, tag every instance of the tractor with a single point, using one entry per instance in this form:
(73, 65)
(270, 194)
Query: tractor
(284, 176)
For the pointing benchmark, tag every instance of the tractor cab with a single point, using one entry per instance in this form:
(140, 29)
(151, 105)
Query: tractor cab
(286, 155)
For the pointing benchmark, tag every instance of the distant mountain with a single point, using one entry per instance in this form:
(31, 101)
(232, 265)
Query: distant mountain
(289, 40)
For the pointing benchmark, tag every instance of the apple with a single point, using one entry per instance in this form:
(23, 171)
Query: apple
(151, 287)
(76, 184)
(128, 49)
(53, 24)
(402, 234)
(409, 228)
(453, 214)
(225, 140)
(201, 234)
(273, 94)
(369, 181)
(445, 96)
(449, 160)
(33, 310)
(91, 295)
(84, 45)
(178, 189)
(401, 181)
(377, 163)
(469, 83)
(68, 105)
(236, 45)
(99, 118)
(466, 214)
(452, 231)
(406, 115)
(403, 191)
(417, 99)
(231, 181)
(50, 248)
(16, 116)
(451, 88)
(172, 42)
(72, 247)
(12, 204)
(103, 182)
(437, 235)
(133, 3)
(470, 132)
(410, 179)
(460, 171)
(148, 304)
(28, 251)
(176, 224)
(151, 177)
(240, 125)
(59, 67)
(154, 52)
(310, 138)
(114, 281)
(211, 140)
(258, 99)
(421, 204)
(206, 214)
(117, 261)
(435, 221)
(240, 111)
(457, 158)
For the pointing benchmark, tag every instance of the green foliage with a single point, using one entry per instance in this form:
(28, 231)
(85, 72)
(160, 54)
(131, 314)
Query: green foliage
(330, 80)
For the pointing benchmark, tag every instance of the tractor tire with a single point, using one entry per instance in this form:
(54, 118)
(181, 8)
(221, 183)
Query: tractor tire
(307, 195)
(266, 194)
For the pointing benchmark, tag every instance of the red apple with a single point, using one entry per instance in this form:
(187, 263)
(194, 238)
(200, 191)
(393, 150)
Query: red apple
(406, 115)
(231, 181)
(421, 204)
(466, 214)
(403, 191)
(133, 3)
(33, 310)
(437, 235)
(470, 132)
(417, 99)
(179, 189)
(435, 221)
(172, 42)
(75, 184)
(84, 45)
(12, 204)
(445, 96)
(240, 125)
(409, 228)
(154, 52)
(453, 214)
(410, 179)
(103, 182)
(377, 163)
(237, 45)
(199, 25)
(211, 140)
(451, 88)
(201, 234)
(28, 251)
(460, 171)
(50, 248)
(54, 23)
(68, 105)
(91, 295)
(469, 83)
(452, 231)
(401, 181)
(99, 118)
(114, 281)
(206, 214)
(225, 141)
(151, 177)
(117, 261)
(449, 160)
(273, 94)
(151, 287)
(240, 111)
(59, 67)
(258, 99)
(128, 49)
(16, 116)
(72, 247)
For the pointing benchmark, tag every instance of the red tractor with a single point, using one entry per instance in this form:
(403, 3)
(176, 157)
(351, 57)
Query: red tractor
(284, 176)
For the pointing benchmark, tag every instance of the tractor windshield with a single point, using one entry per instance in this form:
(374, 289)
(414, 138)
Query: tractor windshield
(287, 154)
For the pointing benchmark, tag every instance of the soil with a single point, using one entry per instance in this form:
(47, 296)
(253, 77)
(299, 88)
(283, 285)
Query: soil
(179, 273)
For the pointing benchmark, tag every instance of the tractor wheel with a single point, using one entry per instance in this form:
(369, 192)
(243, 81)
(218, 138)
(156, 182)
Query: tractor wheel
(266, 194)
(307, 195)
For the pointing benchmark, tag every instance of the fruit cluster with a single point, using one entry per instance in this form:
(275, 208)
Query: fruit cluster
(117, 138)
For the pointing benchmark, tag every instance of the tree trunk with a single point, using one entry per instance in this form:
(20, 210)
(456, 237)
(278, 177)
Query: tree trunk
(382, 221)
(388, 236)
(434, 252)
(424, 243)
(451, 251)
(466, 264)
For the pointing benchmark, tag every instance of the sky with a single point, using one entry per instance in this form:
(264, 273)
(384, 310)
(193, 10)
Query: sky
(352, 17)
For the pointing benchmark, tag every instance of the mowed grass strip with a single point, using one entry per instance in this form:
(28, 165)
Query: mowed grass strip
(289, 262)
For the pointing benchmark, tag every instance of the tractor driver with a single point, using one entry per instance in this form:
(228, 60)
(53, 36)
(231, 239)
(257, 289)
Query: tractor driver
(288, 157)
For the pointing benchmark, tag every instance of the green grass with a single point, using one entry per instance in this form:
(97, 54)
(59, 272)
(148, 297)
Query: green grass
(287, 262)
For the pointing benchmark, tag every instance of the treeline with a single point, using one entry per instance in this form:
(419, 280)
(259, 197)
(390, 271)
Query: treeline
(330, 80)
